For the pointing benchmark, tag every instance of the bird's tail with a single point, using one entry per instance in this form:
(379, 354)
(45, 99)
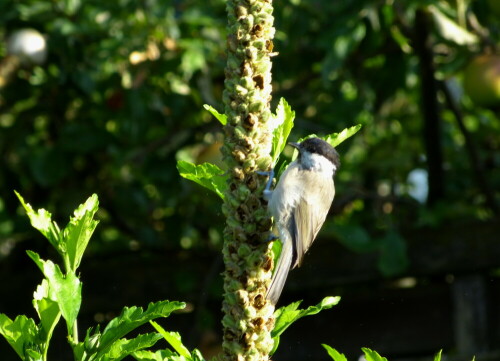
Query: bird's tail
(280, 272)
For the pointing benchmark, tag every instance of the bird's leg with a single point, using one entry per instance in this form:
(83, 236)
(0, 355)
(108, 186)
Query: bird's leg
(267, 191)
(271, 238)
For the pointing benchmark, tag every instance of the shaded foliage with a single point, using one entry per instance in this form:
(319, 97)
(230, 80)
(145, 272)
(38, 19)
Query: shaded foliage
(120, 99)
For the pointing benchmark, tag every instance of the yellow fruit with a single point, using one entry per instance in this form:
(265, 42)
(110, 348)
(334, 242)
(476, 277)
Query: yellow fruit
(482, 80)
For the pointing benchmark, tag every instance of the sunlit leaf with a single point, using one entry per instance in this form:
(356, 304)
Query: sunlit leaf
(42, 221)
(66, 290)
(437, 357)
(334, 354)
(160, 355)
(174, 339)
(18, 333)
(450, 30)
(337, 138)
(133, 317)
(47, 309)
(124, 347)
(79, 230)
(371, 355)
(222, 118)
(287, 315)
(207, 175)
(283, 124)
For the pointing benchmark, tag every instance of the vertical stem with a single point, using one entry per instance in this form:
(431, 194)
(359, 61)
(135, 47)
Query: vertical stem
(248, 319)
(430, 109)
(75, 332)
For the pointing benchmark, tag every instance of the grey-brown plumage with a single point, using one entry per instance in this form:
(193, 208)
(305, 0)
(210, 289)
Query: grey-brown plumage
(299, 204)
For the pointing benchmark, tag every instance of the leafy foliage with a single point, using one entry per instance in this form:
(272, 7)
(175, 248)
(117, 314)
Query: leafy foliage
(370, 355)
(283, 124)
(174, 340)
(60, 294)
(64, 289)
(119, 100)
(207, 175)
(287, 315)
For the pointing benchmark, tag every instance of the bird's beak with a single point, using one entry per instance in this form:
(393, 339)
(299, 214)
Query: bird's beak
(295, 145)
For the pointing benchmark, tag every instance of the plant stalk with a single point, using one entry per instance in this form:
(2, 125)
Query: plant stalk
(248, 316)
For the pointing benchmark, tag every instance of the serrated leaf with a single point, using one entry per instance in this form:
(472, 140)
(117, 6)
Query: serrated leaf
(47, 310)
(450, 30)
(207, 175)
(123, 347)
(18, 333)
(334, 354)
(42, 221)
(222, 118)
(336, 138)
(283, 124)
(174, 339)
(133, 317)
(160, 355)
(286, 316)
(77, 233)
(66, 290)
(371, 355)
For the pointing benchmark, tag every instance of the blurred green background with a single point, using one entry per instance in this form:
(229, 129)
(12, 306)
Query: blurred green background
(113, 96)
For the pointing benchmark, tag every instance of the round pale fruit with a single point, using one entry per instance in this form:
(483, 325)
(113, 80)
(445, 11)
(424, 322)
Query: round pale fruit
(482, 80)
(29, 45)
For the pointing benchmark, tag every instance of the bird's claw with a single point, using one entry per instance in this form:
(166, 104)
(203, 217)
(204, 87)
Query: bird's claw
(267, 190)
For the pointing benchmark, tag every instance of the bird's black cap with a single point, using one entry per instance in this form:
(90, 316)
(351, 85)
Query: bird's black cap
(319, 146)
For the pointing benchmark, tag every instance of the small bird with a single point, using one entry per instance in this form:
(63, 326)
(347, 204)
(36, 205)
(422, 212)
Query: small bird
(299, 205)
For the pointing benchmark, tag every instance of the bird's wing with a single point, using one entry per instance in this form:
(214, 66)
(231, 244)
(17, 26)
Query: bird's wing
(280, 273)
(309, 216)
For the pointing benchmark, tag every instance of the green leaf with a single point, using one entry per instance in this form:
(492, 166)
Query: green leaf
(77, 233)
(207, 175)
(336, 138)
(47, 309)
(124, 347)
(276, 248)
(33, 355)
(437, 357)
(222, 118)
(393, 258)
(193, 56)
(334, 354)
(196, 355)
(66, 290)
(283, 124)
(356, 238)
(133, 317)
(344, 44)
(42, 221)
(19, 333)
(450, 30)
(160, 355)
(371, 355)
(286, 316)
(174, 339)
